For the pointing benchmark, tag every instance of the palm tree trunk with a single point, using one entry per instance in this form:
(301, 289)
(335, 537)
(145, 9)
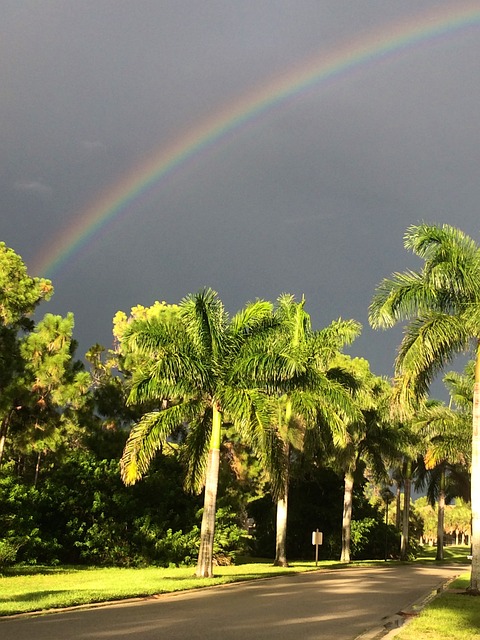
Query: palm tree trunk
(282, 502)
(282, 514)
(3, 433)
(441, 515)
(398, 504)
(475, 497)
(3, 437)
(406, 511)
(207, 531)
(281, 537)
(347, 517)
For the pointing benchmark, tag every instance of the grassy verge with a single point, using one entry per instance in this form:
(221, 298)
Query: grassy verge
(452, 615)
(26, 589)
(457, 554)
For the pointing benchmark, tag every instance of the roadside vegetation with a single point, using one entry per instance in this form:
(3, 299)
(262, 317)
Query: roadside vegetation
(453, 614)
(27, 589)
(189, 441)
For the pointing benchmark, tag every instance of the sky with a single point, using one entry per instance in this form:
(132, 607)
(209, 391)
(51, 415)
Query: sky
(151, 148)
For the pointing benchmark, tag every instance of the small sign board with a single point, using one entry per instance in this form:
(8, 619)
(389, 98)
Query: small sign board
(317, 537)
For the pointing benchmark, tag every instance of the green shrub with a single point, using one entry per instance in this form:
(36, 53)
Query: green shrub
(371, 539)
(82, 513)
(8, 553)
(176, 548)
(231, 539)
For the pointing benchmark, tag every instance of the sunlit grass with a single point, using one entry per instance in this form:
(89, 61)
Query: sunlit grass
(27, 589)
(453, 553)
(453, 615)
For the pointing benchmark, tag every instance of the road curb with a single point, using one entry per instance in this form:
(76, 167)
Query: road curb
(393, 624)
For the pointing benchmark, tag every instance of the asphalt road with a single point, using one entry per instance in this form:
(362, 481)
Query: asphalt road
(326, 605)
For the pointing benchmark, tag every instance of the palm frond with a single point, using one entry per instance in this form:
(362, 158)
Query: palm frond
(176, 374)
(252, 413)
(452, 265)
(400, 297)
(270, 368)
(383, 444)
(147, 437)
(294, 320)
(205, 321)
(150, 336)
(460, 386)
(430, 341)
(276, 463)
(336, 335)
(305, 405)
(334, 392)
(194, 453)
(446, 434)
(439, 243)
(349, 381)
(255, 317)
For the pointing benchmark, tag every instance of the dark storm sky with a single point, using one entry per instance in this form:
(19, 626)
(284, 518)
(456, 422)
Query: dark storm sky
(312, 198)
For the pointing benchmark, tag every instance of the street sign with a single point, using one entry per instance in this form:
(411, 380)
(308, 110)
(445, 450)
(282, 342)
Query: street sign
(317, 537)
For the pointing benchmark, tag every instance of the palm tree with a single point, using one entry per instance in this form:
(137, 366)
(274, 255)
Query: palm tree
(397, 480)
(442, 304)
(372, 438)
(403, 471)
(318, 394)
(193, 366)
(445, 436)
(458, 520)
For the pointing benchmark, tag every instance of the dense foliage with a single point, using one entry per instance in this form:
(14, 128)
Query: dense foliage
(64, 425)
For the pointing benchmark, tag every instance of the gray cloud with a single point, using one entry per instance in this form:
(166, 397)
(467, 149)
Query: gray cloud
(313, 197)
(35, 187)
(93, 146)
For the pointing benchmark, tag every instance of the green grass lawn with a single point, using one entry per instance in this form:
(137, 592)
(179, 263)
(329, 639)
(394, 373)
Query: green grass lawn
(26, 589)
(453, 615)
(458, 553)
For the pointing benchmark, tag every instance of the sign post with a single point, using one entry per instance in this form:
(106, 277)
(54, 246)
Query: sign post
(317, 539)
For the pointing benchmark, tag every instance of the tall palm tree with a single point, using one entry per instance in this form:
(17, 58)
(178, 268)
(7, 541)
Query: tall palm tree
(193, 366)
(446, 439)
(397, 479)
(441, 301)
(458, 520)
(372, 438)
(317, 395)
(408, 468)
(403, 471)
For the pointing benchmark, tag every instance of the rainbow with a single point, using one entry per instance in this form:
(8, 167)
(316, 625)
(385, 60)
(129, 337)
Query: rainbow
(121, 197)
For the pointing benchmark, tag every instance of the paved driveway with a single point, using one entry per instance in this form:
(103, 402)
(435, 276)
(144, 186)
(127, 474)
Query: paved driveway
(326, 605)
